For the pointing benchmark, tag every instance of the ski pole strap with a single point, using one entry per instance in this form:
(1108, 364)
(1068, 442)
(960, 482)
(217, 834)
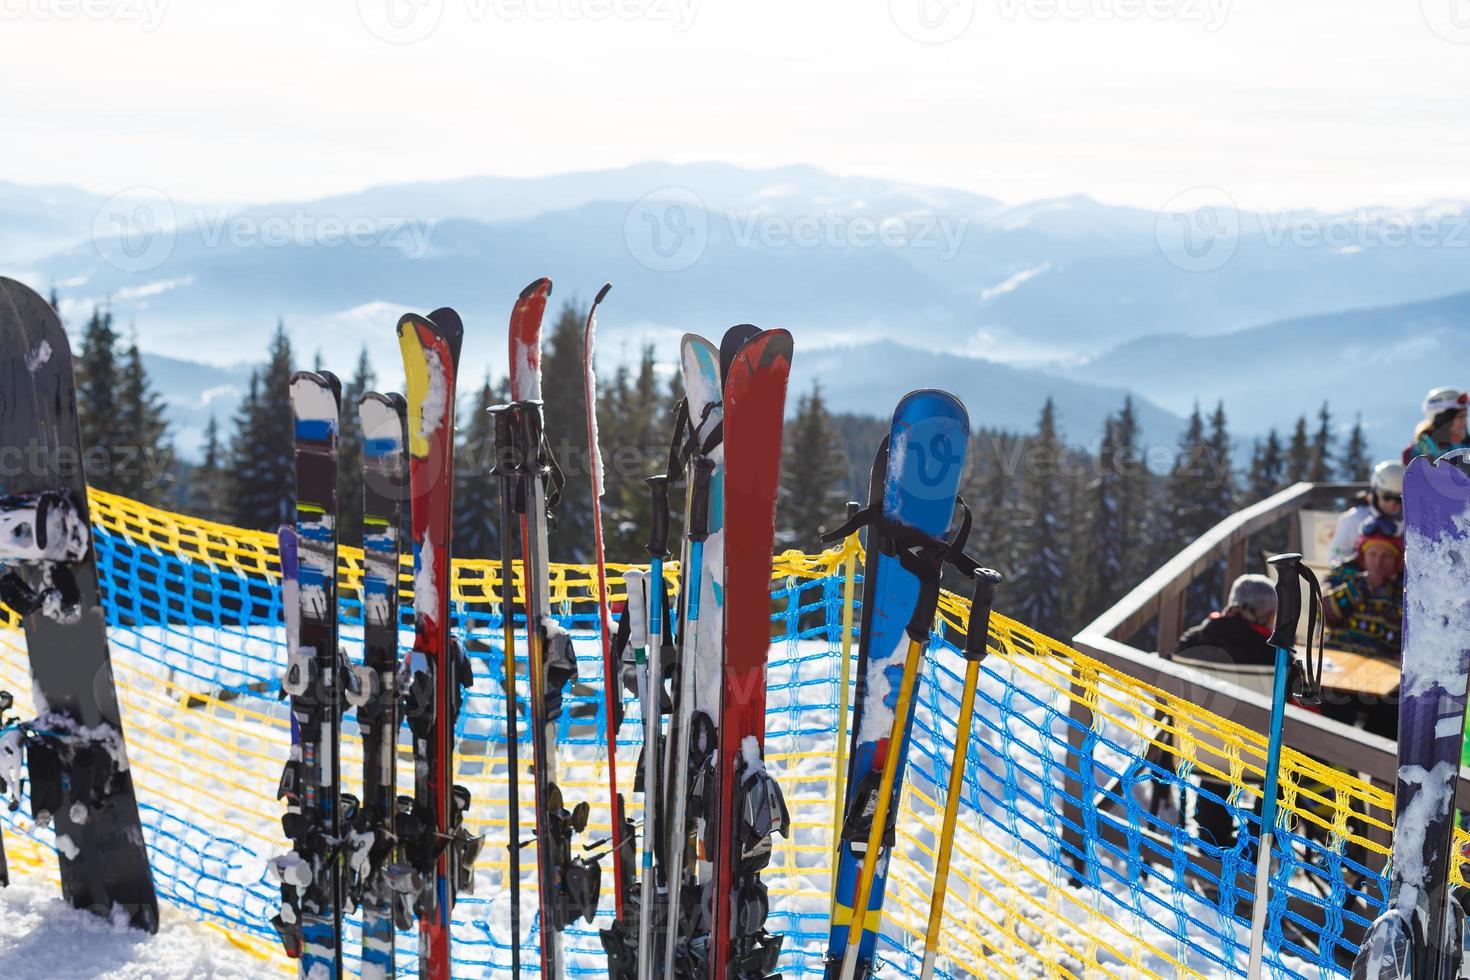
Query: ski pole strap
(658, 534)
(977, 631)
(1306, 680)
(698, 529)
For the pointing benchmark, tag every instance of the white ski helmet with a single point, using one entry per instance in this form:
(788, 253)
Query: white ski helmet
(1388, 477)
(1442, 400)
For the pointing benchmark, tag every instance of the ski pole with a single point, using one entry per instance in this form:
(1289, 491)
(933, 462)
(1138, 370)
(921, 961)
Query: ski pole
(1290, 572)
(977, 633)
(697, 532)
(918, 633)
(604, 621)
(839, 798)
(658, 537)
(506, 466)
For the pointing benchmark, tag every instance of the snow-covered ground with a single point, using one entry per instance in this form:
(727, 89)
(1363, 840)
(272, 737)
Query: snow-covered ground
(43, 938)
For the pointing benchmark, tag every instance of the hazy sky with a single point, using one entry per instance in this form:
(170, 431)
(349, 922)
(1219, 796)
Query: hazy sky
(1328, 103)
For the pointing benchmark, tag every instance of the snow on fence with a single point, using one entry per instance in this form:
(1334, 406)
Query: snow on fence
(194, 611)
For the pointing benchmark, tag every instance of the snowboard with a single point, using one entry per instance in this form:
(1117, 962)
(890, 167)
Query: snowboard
(926, 450)
(1419, 935)
(80, 781)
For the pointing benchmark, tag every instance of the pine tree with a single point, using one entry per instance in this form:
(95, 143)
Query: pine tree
(349, 453)
(1041, 535)
(98, 380)
(566, 433)
(987, 488)
(1191, 502)
(1298, 453)
(207, 493)
(812, 468)
(1098, 559)
(262, 467)
(1320, 468)
(1134, 498)
(1354, 462)
(1220, 495)
(1268, 468)
(142, 457)
(476, 489)
(635, 425)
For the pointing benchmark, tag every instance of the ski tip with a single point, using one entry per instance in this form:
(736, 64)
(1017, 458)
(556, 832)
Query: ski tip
(448, 325)
(543, 286)
(602, 293)
(735, 338)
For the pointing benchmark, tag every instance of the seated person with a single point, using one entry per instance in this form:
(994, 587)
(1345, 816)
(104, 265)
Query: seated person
(1385, 498)
(1231, 645)
(1365, 610)
(1443, 428)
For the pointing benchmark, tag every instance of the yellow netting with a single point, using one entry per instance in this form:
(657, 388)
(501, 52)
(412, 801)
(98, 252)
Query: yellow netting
(1045, 881)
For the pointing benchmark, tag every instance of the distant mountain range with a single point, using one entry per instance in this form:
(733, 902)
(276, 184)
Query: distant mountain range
(886, 285)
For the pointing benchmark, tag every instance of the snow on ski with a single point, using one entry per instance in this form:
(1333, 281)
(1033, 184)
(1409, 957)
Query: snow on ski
(927, 446)
(750, 808)
(1419, 935)
(75, 759)
(374, 690)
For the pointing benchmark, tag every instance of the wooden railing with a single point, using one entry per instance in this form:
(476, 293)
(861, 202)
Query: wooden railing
(1161, 598)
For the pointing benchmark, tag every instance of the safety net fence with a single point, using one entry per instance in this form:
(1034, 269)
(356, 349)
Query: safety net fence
(1071, 858)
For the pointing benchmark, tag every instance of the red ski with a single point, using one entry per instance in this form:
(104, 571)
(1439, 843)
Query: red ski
(437, 851)
(749, 802)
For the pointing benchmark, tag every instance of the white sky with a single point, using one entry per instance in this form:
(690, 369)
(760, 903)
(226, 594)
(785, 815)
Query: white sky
(1325, 103)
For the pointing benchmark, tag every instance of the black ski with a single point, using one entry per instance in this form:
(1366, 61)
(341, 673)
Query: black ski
(374, 691)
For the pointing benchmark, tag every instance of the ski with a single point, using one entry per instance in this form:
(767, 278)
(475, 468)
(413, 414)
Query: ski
(374, 689)
(611, 698)
(568, 886)
(749, 806)
(699, 454)
(310, 920)
(921, 467)
(1419, 935)
(73, 751)
(438, 854)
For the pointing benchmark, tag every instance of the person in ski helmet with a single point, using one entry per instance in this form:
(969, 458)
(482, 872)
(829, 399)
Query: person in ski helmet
(1384, 499)
(1443, 428)
(1230, 644)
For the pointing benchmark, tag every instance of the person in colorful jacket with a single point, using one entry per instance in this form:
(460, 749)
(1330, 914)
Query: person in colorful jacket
(1443, 428)
(1365, 612)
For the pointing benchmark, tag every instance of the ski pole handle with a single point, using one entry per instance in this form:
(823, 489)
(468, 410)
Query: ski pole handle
(505, 440)
(633, 581)
(704, 468)
(977, 631)
(529, 413)
(658, 531)
(1288, 599)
